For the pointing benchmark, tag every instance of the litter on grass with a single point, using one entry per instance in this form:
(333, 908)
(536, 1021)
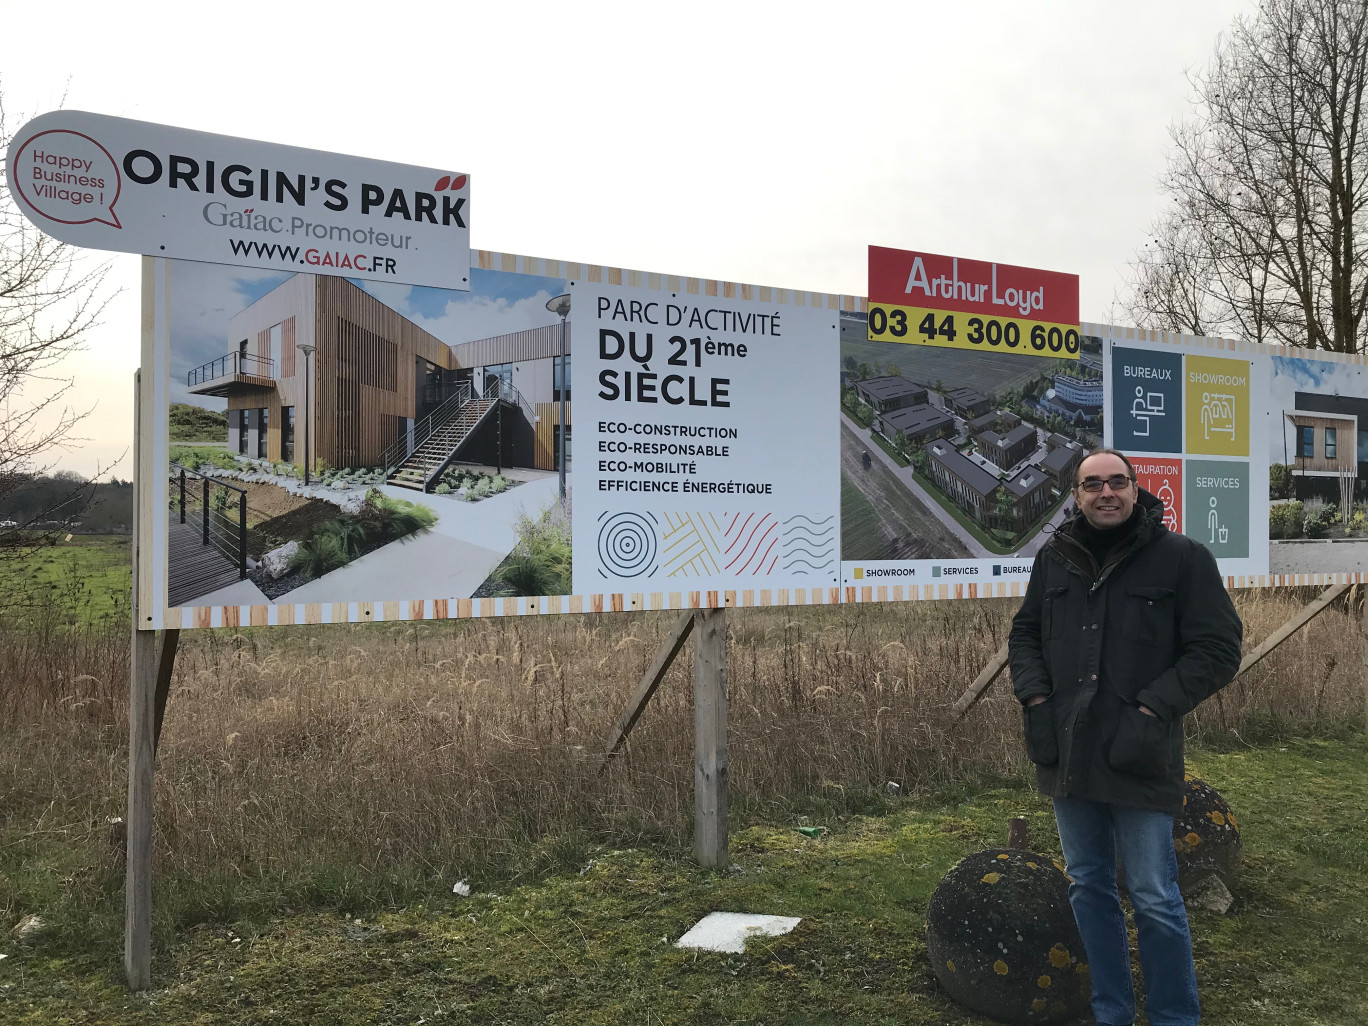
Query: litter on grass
(729, 931)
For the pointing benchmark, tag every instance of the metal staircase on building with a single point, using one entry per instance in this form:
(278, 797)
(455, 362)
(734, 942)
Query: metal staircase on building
(421, 468)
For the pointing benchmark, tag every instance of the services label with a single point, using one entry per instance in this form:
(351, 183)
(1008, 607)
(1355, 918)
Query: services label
(954, 303)
(134, 187)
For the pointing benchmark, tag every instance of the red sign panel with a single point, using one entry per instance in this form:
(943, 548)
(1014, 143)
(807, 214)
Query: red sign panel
(928, 280)
(1164, 480)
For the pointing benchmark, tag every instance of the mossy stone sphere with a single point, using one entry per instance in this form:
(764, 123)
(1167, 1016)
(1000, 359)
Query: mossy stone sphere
(1206, 836)
(1002, 939)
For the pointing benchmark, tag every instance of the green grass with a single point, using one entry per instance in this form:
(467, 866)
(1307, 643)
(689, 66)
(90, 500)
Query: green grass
(84, 580)
(861, 537)
(592, 942)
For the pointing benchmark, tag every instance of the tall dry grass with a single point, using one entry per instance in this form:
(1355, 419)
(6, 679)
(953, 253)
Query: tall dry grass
(328, 760)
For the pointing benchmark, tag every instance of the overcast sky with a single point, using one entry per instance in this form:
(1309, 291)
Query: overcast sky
(761, 143)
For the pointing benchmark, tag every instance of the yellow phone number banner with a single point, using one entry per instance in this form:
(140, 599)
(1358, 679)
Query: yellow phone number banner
(952, 329)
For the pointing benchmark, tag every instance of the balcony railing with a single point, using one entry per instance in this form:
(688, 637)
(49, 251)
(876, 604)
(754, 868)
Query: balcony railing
(228, 365)
(217, 509)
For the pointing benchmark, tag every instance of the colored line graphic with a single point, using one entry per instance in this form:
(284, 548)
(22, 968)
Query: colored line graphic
(711, 544)
(809, 545)
(627, 544)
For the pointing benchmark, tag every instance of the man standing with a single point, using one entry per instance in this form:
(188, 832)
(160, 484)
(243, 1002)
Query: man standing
(1124, 629)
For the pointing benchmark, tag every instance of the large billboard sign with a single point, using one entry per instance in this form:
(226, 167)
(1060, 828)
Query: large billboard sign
(348, 415)
(134, 187)
(933, 300)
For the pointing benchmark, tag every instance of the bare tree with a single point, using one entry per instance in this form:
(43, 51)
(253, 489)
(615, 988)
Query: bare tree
(1264, 234)
(49, 301)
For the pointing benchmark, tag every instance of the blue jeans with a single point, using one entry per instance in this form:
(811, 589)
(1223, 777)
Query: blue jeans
(1092, 834)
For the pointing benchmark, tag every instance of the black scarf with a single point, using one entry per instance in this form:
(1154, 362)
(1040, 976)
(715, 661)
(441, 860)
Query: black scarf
(1100, 541)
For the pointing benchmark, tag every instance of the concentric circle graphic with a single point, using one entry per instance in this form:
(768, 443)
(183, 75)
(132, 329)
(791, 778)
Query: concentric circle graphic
(627, 544)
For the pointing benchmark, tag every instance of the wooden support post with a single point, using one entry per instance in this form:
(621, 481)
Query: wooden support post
(989, 674)
(1363, 632)
(142, 679)
(1304, 616)
(141, 756)
(710, 739)
(654, 675)
(166, 662)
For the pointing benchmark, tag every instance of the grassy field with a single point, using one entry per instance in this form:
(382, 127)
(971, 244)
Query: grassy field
(860, 538)
(901, 526)
(321, 789)
(593, 941)
(990, 373)
(84, 579)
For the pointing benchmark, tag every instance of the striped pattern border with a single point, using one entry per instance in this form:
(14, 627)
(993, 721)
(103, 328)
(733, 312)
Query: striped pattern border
(186, 617)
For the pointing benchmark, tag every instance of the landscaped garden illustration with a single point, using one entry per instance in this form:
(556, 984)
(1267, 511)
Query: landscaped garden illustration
(296, 534)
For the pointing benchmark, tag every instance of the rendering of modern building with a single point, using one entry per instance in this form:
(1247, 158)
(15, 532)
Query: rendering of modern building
(320, 356)
(968, 402)
(1011, 504)
(969, 485)
(1076, 398)
(1326, 445)
(889, 393)
(1031, 489)
(1062, 457)
(1004, 440)
(1312, 404)
(918, 424)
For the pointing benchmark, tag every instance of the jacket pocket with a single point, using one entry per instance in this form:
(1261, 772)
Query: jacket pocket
(1141, 745)
(1150, 614)
(1042, 744)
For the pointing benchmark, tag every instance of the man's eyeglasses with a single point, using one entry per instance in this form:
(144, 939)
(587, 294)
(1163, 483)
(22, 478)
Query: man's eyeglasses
(1117, 483)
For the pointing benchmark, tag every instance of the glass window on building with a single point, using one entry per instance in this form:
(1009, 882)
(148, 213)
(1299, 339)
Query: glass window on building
(502, 372)
(1330, 440)
(242, 431)
(1306, 445)
(263, 422)
(562, 379)
(287, 428)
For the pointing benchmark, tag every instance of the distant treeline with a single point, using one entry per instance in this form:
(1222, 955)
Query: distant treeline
(84, 507)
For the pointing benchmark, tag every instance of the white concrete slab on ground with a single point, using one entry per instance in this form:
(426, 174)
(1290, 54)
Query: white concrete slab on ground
(431, 565)
(729, 931)
(490, 522)
(242, 593)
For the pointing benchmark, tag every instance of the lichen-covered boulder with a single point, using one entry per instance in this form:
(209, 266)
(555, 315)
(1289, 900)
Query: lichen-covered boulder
(1002, 939)
(1206, 837)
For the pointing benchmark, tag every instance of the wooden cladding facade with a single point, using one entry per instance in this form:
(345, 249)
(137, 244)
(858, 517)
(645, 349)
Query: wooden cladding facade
(1334, 442)
(363, 368)
(515, 347)
(544, 433)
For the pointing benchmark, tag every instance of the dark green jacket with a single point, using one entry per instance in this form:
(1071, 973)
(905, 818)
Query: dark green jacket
(1154, 626)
